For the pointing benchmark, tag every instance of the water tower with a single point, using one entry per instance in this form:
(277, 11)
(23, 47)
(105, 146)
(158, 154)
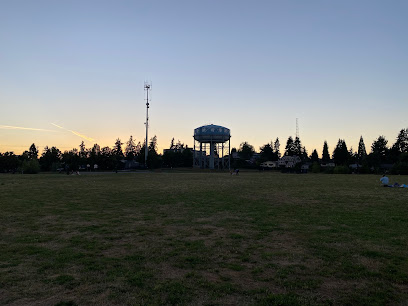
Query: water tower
(212, 147)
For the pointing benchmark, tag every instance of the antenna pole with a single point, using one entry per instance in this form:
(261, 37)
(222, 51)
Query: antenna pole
(297, 128)
(147, 88)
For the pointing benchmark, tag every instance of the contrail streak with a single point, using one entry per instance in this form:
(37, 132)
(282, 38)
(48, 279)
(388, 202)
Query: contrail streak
(75, 133)
(9, 127)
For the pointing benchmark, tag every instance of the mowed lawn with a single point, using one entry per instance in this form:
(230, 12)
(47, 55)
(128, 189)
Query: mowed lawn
(260, 238)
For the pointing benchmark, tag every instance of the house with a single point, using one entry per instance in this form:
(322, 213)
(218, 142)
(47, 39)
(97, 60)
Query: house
(289, 161)
(327, 165)
(304, 168)
(269, 165)
(355, 166)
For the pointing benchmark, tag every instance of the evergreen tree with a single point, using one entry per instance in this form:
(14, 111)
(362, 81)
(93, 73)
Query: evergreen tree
(154, 160)
(379, 148)
(297, 147)
(361, 153)
(117, 149)
(276, 148)
(153, 145)
(340, 154)
(314, 157)
(130, 150)
(325, 154)
(117, 154)
(401, 144)
(303, 154)
(290, 147)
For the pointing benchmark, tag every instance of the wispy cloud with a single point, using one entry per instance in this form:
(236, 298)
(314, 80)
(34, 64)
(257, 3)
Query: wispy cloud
(9, 127)
(75, 133)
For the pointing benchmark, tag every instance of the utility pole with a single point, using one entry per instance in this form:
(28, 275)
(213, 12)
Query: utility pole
(147, 87)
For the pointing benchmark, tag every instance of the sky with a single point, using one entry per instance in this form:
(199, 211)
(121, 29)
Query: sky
(73, 71)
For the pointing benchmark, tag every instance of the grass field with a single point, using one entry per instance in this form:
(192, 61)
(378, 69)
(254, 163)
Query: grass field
(202, 238)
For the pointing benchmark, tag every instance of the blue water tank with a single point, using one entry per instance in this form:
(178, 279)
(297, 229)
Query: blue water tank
(212, 133)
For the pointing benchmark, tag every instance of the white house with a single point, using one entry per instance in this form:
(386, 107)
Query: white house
(269, 164)
(289, 161)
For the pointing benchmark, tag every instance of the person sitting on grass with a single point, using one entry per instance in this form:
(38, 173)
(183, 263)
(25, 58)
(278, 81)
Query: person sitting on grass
(385, 181)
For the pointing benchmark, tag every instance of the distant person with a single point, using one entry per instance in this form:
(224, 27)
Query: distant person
(385, 181)
(95, 167)
(235, 172)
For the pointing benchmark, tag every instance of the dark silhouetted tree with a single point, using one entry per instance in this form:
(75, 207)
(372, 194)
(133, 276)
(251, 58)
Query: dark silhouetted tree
(314, 157)
(50, 159)
(82, 150)
(117, 154)
(94, 155)
(8, 162)
(290, 148)
(325, 154)
(379, 148)
(107, 160)
(130, 150)
(361, 152)
(154, 160)
(267, 153)
(276, 148)
(117, 149)
(71, 159)
(401, 144)
(33, 152)
(246, 151)
(341, 154)
(297, 147)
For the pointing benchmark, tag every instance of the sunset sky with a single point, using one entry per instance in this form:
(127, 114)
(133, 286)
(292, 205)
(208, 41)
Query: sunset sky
(74, 70)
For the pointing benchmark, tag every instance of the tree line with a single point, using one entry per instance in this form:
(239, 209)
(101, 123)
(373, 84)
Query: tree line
(382, 156)
(105, 158)
(394, 157)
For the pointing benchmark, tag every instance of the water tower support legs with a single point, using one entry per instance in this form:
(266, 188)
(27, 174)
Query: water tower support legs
(211, 155)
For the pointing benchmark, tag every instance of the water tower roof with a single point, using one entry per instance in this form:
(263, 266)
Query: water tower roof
(211, 133)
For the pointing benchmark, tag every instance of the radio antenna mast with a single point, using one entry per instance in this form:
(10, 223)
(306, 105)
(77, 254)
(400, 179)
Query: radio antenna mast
(297, 128)
(147, 87)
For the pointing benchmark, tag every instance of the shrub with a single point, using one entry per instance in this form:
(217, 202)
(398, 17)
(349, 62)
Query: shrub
(341, 170)
(328, 170)
(316, 167)
(31, 166)
(400, 168)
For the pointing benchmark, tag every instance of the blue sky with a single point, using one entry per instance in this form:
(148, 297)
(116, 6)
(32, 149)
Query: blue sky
(254, 67)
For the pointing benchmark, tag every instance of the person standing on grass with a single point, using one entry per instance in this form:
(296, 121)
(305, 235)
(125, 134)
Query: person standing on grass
(385, 181)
